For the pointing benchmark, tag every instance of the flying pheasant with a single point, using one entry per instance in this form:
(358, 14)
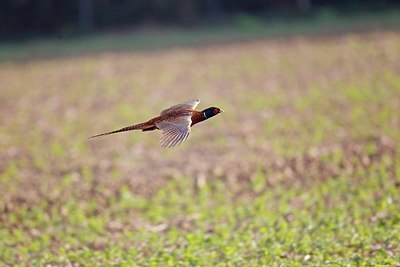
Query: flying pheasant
(174, 122)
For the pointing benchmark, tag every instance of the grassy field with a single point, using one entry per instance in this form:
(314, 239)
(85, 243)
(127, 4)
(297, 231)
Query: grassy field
(302, 169)
(237, 28)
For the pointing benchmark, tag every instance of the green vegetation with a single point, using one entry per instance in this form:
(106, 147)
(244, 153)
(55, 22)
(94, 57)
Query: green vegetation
(239, 28)
(302, 169)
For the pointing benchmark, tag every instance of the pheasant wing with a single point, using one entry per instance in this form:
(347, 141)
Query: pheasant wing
(174, 130)
(190, 104)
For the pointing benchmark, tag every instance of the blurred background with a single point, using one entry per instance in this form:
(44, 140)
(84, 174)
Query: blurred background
(302, 168)
(25, 18)
(31, 28)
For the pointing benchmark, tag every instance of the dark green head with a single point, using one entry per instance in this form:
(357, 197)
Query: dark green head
(211, 112)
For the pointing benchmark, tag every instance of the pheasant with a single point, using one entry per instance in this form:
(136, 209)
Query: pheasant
(174, 122)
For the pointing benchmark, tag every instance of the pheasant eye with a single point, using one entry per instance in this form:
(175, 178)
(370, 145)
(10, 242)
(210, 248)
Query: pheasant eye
(216, 111)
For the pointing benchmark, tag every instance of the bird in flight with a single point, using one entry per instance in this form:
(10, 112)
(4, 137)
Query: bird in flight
(174, 122)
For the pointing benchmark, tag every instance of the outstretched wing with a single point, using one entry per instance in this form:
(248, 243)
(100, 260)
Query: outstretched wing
(190, 104)
(174, 131)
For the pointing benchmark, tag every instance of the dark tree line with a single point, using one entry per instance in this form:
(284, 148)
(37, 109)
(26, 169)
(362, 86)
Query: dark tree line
(23, 17)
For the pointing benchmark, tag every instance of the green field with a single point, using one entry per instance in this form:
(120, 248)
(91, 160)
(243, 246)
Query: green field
(302, 169)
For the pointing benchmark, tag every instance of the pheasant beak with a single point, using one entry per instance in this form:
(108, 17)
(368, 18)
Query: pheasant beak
(221, 111)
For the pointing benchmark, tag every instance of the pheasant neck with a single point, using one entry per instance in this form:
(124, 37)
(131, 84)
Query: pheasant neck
(198, 117)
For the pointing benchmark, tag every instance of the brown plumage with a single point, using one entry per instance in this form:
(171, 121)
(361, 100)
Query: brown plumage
(175, 122)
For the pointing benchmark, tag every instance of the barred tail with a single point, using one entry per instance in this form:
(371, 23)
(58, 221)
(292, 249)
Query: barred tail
(129, 128)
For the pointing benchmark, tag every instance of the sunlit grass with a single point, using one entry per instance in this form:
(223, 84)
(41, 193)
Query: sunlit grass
(301, 169)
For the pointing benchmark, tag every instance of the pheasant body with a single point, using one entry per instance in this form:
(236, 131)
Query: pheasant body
(174, 122)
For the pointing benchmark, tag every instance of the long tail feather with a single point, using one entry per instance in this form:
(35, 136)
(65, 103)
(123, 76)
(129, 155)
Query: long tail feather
(129, 128)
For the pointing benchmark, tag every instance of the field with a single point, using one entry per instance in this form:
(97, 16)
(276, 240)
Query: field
(302, 168)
